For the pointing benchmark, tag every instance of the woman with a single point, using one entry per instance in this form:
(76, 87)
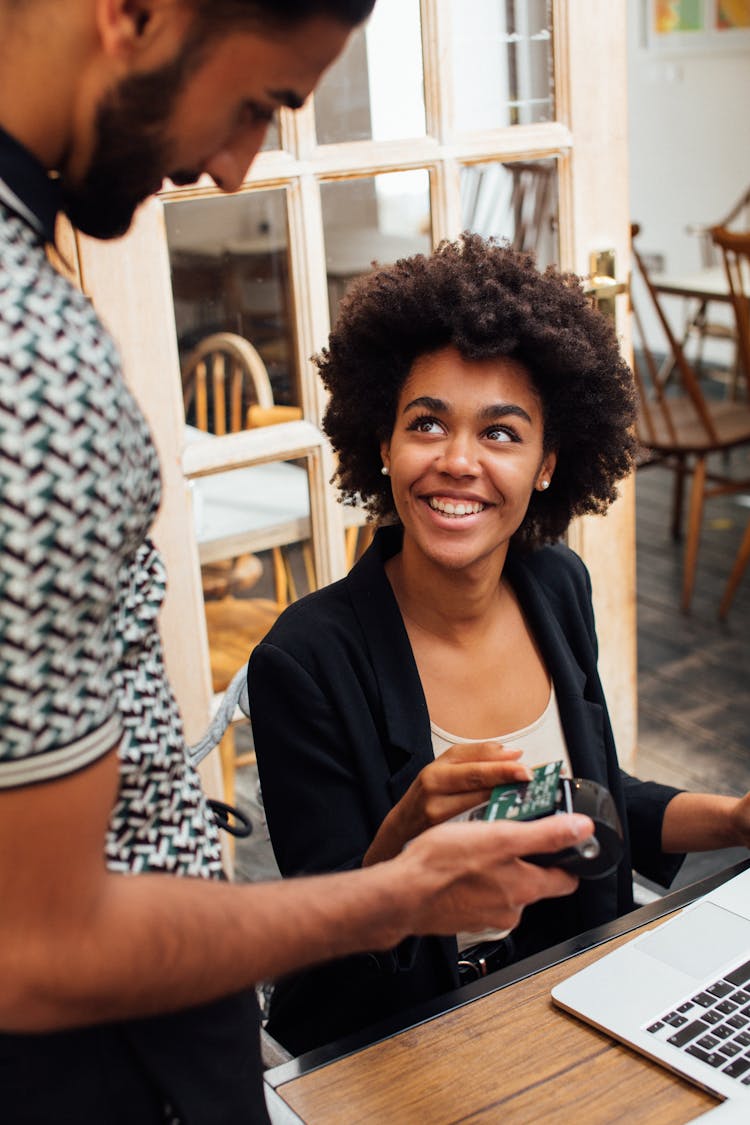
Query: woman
(476, 407)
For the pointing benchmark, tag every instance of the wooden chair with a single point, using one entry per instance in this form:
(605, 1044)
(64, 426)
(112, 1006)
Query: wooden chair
(702, 324)
(734, 248)
(226, 386)
(516, 199)
(680, 428)
(220, 377)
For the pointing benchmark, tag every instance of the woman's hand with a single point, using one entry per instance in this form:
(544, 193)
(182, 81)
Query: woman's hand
(462, 777)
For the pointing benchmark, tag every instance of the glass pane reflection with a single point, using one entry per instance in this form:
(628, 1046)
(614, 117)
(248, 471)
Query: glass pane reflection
(375, 91)
(272, 139)
(374, 219)
(516, 201)
(503, 63)
(229, 259)
(252, 526)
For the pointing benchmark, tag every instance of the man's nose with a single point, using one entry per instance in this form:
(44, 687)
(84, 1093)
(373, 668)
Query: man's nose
(229, 166)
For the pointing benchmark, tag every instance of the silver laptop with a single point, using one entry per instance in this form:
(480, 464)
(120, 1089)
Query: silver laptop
(681, 992)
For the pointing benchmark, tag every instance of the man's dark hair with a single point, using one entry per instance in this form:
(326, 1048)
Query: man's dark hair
(489, 302)
(282, 12)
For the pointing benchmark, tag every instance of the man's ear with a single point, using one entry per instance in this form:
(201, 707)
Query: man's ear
(124, 26)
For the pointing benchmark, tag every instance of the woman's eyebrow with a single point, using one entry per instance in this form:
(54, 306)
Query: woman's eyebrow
(502, 410)
(426, 402)
(486, 414)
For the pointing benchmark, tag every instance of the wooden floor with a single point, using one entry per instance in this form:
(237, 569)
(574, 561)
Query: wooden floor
(694, 671)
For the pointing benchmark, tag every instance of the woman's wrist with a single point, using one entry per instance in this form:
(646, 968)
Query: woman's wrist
(695, 822)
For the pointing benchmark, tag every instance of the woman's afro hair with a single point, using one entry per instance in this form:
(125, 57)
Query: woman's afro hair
(488, 301)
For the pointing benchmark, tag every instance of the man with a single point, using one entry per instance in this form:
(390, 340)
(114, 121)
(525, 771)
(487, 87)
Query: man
(126, 985)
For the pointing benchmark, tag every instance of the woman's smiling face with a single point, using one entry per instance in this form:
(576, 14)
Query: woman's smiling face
(466, 452)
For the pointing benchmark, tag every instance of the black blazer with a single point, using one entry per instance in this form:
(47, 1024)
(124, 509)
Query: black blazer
(341, 730)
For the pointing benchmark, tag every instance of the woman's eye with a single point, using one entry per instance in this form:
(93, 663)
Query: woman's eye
(500, 433)
(425, 426)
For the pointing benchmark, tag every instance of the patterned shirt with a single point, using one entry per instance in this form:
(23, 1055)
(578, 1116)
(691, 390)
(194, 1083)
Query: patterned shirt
(81, 584)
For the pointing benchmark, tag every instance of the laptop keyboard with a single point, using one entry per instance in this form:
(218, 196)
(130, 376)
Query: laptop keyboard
(713, 1025)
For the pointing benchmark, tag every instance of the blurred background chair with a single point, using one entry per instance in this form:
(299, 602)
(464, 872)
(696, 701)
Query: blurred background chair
(226, 389)
(734, 247)
(516, 200)
(705, 324)
(680, 428)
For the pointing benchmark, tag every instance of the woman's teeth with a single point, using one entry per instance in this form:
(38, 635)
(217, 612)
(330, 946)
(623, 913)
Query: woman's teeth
(455, 507)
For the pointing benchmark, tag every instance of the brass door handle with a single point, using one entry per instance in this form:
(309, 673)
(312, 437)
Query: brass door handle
(602, 285)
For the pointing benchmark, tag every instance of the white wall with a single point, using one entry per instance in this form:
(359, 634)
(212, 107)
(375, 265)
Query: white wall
(689, 141)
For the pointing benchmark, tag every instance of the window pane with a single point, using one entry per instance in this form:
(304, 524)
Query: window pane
(229, 259)
(502, 58)
(253, 531)
(374, 219)
(272, 138)
(375, 91)
(515, 201)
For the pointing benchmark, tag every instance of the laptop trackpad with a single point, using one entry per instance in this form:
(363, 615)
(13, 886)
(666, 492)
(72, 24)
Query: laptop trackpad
(700, 940)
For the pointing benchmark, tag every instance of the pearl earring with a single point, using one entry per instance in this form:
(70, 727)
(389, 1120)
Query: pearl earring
(386, 472)
(544, 485)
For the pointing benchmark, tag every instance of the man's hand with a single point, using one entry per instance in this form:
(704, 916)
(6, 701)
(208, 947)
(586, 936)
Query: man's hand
(471, 876)
(462, 777)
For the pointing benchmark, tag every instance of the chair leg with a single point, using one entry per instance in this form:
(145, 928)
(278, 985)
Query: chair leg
(280, 578)
(697, 495)
(678, 497)
(227, 754)
(307, 558)
(740, 562)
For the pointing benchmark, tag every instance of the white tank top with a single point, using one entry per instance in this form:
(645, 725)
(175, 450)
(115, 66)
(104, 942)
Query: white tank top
(540, 742)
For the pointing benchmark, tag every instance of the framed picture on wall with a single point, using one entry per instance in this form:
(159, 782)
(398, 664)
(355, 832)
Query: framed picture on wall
(696, 25)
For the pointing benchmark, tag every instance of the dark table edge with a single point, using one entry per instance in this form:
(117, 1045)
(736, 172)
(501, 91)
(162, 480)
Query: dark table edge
(449, 1001)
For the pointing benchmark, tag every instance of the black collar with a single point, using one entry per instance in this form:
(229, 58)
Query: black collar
(27, 188)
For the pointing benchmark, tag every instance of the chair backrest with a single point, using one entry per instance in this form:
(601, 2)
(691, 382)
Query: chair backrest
(657, 416)
(736, 218)
(221, 377)
(515, 200)
(734, 247)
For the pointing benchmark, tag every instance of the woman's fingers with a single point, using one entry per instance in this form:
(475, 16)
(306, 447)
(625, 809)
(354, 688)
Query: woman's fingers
(463, 777)
(479, 752)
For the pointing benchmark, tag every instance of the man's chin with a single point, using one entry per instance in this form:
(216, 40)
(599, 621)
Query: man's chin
(100, 223)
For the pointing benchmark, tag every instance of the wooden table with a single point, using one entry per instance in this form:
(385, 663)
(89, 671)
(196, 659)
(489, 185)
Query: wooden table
(702, 288)
(499, 1051)
(708, 284)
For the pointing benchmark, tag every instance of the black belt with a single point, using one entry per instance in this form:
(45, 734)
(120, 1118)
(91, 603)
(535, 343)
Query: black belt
(486, 957)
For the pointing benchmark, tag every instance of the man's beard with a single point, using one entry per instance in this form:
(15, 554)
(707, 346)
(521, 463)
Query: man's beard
(131, 153)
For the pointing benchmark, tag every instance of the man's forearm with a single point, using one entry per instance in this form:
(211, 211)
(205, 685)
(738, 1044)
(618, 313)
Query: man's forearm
(155, 943)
